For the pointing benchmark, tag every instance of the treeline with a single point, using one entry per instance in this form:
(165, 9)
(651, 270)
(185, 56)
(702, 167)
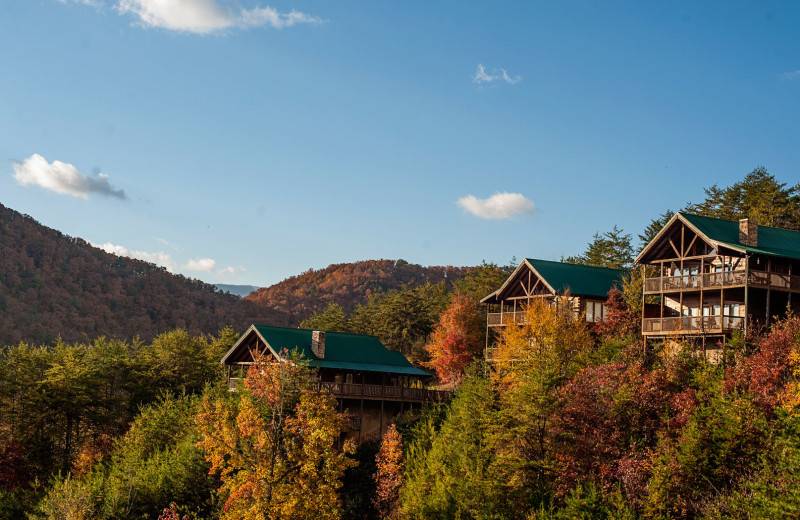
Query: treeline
(68, 409)
(404, 318)
(347, 286)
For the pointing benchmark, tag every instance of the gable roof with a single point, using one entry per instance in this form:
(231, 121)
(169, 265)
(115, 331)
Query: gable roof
(342, 351)
(719, 232)
(560, 277)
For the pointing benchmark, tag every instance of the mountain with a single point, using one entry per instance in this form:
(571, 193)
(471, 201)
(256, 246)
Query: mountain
(55, 285)
(238, 290)
(291, 301)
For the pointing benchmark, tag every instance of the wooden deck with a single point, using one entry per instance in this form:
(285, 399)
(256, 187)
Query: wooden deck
(719, 280)
(371, 392)
(691, 325)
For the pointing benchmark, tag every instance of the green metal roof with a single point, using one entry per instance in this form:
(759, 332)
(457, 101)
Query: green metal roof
(585, 280)
(342, 350)
(771, 241)
(580, 280)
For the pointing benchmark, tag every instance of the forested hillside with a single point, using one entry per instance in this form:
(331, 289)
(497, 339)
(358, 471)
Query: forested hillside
(347, 285)
(56, 285)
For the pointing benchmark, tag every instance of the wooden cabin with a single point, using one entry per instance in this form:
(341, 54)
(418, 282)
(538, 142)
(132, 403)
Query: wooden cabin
(712, 276)
(582, 288)
(371, 383)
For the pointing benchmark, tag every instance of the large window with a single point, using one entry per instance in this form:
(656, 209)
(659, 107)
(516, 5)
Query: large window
(595, 311)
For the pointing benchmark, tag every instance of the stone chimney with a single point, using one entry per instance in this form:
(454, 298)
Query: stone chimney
(748, 232)
(318, 343)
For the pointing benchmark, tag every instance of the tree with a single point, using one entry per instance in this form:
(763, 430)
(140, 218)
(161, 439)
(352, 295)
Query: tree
(275, 446)
(457, 339)
(388, 476)
(655, 226)
(759, 196)
(611, 249)
(331, 319)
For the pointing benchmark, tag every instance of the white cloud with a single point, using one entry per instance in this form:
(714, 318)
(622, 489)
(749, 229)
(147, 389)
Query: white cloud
(498, 206)
(208, 16)
(159, 258)
(205, 265)
(63, 178)
(481, 76)
(795, 74)
(231, 270)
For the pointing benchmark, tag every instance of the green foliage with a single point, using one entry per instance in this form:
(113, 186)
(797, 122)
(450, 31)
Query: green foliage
(611, 249)
(654, 227)
(403, 318)
(331, 319)
(759, 195)
(587, 502)
(453, 470)
(155, 463)
(721, 442)
(773, 490)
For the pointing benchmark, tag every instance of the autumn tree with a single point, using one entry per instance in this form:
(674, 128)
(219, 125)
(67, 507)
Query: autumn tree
(388, 475)
(457, 338)
(275, 446)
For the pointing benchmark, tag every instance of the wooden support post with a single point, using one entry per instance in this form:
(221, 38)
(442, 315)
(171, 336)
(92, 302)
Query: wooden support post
(746, 293)
(769, 286)
(361, 421)
(383, 391)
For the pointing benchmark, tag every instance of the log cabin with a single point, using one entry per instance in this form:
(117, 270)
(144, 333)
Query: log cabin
(370, 383)
(712, 276)
(582, 288)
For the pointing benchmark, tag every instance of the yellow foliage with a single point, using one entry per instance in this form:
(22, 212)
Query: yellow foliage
(276, 452)
(550, 340)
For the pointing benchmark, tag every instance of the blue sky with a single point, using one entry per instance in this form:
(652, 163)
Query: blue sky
(245, 141)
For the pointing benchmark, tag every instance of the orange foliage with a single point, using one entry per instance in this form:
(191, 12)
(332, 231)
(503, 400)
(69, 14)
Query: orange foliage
(388, 477)
(276, 448)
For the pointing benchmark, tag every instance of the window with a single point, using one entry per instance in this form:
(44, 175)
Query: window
(595, 311)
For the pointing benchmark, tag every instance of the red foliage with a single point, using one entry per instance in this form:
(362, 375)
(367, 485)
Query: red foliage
(610, 416)
(14, 471)
(620, 321)
(766, 373)
(456, 340)
(171, 513)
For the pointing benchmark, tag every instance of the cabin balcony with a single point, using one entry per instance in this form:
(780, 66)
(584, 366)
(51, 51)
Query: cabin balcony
(691, 325)
(499, 319)
(383, 392)
(697, 282)
(371, 392)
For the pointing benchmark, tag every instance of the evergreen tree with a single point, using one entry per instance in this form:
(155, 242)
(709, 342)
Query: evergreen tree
(759, 196)
(611, 249)
(652, 229)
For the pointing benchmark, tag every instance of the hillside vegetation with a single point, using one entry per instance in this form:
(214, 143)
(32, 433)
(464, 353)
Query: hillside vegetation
(56, 285)
(346, 285)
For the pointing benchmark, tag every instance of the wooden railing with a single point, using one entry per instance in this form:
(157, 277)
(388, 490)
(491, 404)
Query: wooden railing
(721, 279)
(775, 280)
(399, 393)
(692, 324)
(359, 391)
(494, 319)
